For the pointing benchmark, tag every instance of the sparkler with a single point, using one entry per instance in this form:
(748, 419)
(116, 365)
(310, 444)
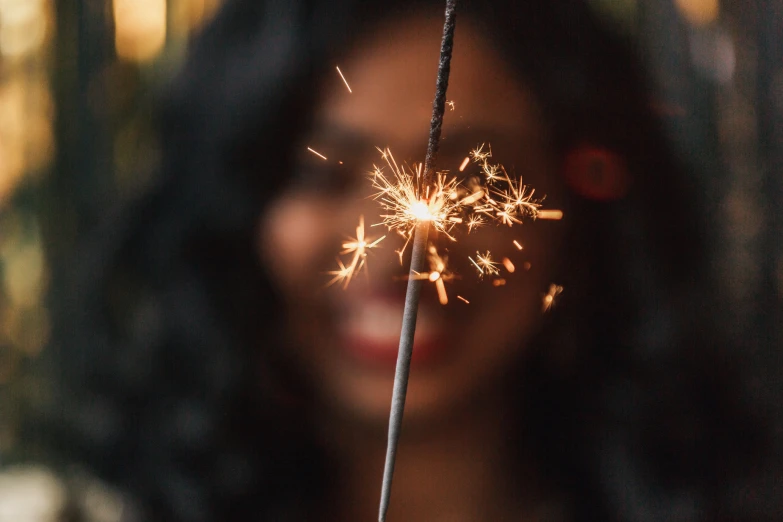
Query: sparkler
(420, 231)
(416, 198)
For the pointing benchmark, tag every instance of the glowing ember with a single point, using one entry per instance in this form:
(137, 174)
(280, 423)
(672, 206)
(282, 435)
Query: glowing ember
(316, 153)
(344, 80)
(550, 214)
(549, 298)
(484, 264)
(357, 246)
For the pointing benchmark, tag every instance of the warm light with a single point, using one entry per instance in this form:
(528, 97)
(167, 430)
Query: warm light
(22, 26)
(317, 153)
(420, 211)
(140, 28)
(443, 298)
(199, 11)
(344, 80)
(464, 163)
(509, 265)
(12, 137)
(549, 214)
(698, 12)
(434, 276)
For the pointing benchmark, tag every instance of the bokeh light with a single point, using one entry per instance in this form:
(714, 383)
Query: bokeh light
(698, 12)
(140, 28)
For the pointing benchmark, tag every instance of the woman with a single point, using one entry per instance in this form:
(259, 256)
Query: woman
(216, 377)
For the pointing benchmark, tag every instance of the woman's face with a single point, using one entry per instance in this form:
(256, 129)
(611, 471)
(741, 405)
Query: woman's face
(344, 340)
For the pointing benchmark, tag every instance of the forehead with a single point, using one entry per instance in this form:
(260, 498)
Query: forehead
(392, 74)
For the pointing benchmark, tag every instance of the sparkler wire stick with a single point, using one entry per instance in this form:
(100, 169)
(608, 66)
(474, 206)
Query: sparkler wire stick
(418, 260)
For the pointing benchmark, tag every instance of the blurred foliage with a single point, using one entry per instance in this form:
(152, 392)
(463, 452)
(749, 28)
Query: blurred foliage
(77, 80)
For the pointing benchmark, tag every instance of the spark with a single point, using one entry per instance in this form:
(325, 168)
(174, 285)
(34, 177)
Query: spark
(343, 274)
(484, 264)
(550, 214)
(491, 171)
(316, 153)
(479, 155)
(549, 298)
(499, 282)
(445, 203)
(450, 103)
(464, 163)
(357, 246)
(401, 194)
(474, 221)
(463, 299)
(344, 80)
(439, 273)
(527, 265)
(516, 200)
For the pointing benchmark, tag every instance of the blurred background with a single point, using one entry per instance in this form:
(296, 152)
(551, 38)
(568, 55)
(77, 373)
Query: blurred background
(78, 82)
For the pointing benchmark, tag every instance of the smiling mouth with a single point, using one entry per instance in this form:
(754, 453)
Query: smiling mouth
(369, 332)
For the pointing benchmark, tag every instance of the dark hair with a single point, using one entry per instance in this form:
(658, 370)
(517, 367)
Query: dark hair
(626, 402)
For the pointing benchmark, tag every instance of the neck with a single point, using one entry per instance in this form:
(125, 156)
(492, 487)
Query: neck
(458, 471)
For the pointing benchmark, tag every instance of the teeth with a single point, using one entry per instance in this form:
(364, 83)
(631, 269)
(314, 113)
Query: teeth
(380, 322)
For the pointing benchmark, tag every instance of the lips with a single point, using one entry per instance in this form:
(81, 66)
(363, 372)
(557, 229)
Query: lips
(370, 328)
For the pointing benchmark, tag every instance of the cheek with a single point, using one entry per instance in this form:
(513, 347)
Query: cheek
(292, 238)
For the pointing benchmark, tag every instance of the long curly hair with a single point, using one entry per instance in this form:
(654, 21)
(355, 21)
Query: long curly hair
(627, 400)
